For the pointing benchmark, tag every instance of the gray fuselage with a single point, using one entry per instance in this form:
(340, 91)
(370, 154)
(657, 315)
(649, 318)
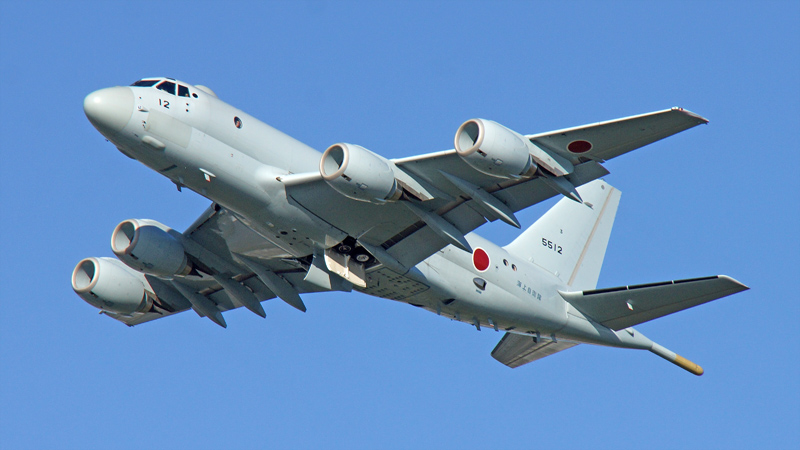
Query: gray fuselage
(220, 152)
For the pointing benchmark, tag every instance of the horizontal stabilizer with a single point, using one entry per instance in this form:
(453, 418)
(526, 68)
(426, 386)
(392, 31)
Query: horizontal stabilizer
(515, 350)
(626, 306)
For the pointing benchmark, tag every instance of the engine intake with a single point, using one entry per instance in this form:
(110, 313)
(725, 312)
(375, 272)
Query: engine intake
(147, 246)
(493, 149)
(108, 284)
(359, 174)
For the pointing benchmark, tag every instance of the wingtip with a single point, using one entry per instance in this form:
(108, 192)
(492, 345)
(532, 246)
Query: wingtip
(700, 118)
(742, 286)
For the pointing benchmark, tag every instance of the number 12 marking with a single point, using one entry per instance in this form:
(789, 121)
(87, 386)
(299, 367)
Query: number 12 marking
(549, 244)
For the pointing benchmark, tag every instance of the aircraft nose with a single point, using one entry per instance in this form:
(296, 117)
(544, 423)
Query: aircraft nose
(109, 109)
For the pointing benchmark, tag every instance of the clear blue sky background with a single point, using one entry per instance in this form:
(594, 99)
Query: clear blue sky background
(399, 78)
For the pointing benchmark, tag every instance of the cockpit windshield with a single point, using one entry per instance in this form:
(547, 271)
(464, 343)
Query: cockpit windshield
(166, 86)
(145, 83)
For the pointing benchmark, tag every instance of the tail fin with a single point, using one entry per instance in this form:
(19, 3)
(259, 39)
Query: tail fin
(570, 239)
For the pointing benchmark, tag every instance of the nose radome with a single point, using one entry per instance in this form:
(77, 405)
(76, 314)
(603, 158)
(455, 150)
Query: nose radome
(109, 109)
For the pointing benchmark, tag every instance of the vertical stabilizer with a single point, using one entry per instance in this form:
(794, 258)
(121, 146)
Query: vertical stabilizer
(570, 239)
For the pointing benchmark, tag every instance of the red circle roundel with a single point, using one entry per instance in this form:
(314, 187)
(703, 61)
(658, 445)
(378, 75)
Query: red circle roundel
(579, 146)
(480, 259)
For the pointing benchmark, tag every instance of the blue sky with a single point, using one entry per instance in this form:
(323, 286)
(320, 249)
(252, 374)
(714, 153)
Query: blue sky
(399, 78)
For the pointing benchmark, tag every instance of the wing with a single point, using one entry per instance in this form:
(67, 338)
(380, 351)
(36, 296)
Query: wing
(515, 350)
(626, 306)
(445, 198)
(613, 138)
(234, 267)
(410, 231)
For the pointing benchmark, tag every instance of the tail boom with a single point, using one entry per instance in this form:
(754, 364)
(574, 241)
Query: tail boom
(676, 359)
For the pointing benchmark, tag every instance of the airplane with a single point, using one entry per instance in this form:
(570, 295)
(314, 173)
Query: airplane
(287, 220)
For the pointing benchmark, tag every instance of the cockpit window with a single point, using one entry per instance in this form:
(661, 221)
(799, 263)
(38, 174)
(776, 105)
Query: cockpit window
(145, 83)
(167, 86)
(183, 91)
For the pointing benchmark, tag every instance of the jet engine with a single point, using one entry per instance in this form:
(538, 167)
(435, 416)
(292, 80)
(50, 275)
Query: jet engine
(493, 149)
(146, 245)
(359, 174)
(108, 284)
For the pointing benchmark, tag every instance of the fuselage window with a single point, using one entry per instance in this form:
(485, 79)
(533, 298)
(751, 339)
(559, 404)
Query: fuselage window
(167, 86)
(183, 91)
(145, 83)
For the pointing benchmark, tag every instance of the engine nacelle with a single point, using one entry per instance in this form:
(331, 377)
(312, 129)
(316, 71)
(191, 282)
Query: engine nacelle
(146, 245)
(108, 284)
(493, 149)
(359, 174)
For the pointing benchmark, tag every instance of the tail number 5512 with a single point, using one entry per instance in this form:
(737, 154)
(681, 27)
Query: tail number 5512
(552, 246)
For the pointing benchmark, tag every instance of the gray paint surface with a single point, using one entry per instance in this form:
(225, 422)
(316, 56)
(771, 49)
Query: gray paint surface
(264, 234)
